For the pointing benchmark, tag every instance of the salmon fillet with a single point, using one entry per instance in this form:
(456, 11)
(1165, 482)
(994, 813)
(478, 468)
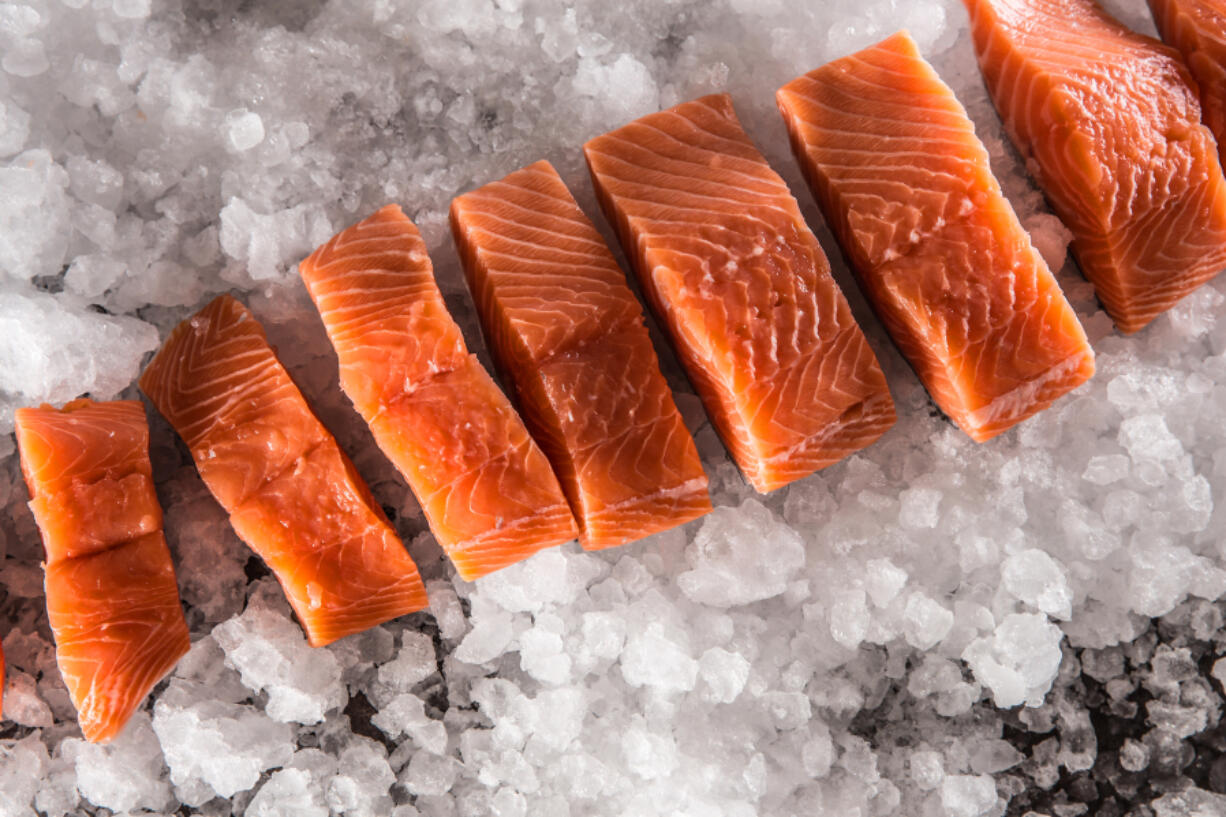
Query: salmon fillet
(906, 186)
(487, 490)
(112, 599)
(1109, 123)
(735, 275)
(1198, 29)
(292, 494)
(569, 334)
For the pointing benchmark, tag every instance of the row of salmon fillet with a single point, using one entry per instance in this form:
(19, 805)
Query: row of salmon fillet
(1108, 120)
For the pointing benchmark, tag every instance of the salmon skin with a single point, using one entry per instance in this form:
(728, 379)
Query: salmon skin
(487, 490)
(742, 286)
(1109, 123)
(292, 494)
(112, 599)
(1198, 29)
(906, 186)
(569, 335)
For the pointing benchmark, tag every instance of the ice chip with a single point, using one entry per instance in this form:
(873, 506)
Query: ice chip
(414, 662)
(926, 621)
(34, 216)
(362, 781)
(131, 9)
(429, 774)
(926, 768)
(724, 674)
(125, 774)
(244, 130)
(14, 129)
(487, 639)
(25, 57)
(288, 793)
(406, 714)
(22, 765)
(653, 659)
(271, 654)
(918, 508)
(965, 795)
(741, 555)
(268, 244)
(22, 703)
(883, 581)
(53, 353)
(213, 747)
(1019, 660)
(1146, 437)
(1038, 580)
(849, 618)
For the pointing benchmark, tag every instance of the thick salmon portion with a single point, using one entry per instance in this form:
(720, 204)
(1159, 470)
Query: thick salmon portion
(486, 488)
(1109, 123)
(1198, 29)
(292, 494)
(112, 599)
(906, 185)
(569, 333)
(734, 273)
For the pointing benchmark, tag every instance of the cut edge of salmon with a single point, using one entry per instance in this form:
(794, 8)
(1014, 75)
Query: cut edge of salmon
(822, 455)
(1121, 298)
(603, 527)
(157, 382)
(545, 527)
(1006, 409)
(105, 694)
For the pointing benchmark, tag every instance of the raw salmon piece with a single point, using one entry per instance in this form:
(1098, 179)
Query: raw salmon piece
(1109, 123)
(906, 185)
(486, 488)
(118, 629)
(1198, 29)
(112, 599)
(292, 494)
(722, 252)
(569, 333)
(229, 398)
(88, 496)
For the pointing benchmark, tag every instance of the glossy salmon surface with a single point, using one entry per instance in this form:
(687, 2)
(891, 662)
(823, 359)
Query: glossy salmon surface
(292, 494)
(569, 334)
(1109, 123)
(907, 187)
(112, 599)
(487, 489)
(740, 282)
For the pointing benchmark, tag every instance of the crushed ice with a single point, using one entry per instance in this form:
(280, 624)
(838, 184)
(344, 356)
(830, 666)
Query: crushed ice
(931, 627)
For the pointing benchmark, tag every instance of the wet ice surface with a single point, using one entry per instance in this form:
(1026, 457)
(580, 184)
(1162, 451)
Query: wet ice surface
(931, 627)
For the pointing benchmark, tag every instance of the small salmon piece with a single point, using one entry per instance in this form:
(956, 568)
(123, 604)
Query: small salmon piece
(570, 335)
(487, 490)
(112, 599)
(907, 187)
(292, 494)
(740, 282)
(1198, 29)
(1109, 123)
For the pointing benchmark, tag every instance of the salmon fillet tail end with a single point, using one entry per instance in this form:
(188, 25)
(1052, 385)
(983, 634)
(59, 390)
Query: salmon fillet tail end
(906, 185)
(1109, 122)
(744, 290)
(112, 600)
